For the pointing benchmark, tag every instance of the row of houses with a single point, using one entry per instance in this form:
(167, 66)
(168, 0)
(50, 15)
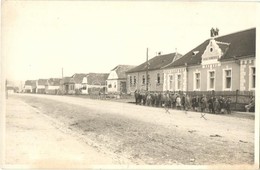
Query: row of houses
(220, 63)
(82, 83)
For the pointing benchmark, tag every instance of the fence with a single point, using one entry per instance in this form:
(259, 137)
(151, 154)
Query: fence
(238, 98)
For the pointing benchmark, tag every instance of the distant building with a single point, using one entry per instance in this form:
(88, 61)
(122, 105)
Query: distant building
(78, 78)
(116, 81)
(221, 63)
(94, 83)
(40, 86)
(30, 86)
(67, 85)
(52, 86)
(137, 79)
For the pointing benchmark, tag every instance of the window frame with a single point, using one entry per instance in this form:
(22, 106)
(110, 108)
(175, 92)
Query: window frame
(178, 81)
(158, 78)
(169, 82)
(251, 77)
(195, 81)
(143, 80)
(209, 78)
(225, 78)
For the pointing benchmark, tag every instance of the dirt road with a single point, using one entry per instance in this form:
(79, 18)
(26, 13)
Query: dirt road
(145, 135)
(36, 141)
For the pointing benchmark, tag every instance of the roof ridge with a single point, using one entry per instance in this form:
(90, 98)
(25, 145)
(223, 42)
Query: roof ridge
(232, 33)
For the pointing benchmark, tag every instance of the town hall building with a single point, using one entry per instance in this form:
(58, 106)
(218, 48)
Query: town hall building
(221, 63)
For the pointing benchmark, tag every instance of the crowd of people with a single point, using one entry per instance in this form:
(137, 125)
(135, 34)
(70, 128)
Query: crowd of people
(202, 103)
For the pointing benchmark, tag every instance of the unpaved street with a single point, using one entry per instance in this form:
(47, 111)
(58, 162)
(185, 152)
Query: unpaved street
(34, 140)
(124, 133)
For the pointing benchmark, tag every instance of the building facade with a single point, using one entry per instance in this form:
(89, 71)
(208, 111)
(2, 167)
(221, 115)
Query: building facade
(40, 86)
(116, 81)
(93, 83)
(222, 63)
(150, 75)
(52, 86)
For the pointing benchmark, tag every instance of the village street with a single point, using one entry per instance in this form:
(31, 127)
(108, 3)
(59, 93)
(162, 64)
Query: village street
(63, 130)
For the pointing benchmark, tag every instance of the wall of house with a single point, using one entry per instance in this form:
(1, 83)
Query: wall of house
(113, 86)
(139, 85)
(219, 69)
(246, 82)
(173, 74)
(78, 86)
(91, 87)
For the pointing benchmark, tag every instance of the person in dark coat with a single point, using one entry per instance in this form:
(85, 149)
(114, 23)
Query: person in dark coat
(210, 103)
(183, 101)
(195, 103)
(203, 103)
(228, 103)
(216, 106)
(222, 104)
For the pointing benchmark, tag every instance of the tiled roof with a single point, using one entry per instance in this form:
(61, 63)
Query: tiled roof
(42, 82)
(30, 83)
(78, 77)
(54, 81)
(155, 63)
(121, 70)
(97, 78)
(67, 80)
(237, 45)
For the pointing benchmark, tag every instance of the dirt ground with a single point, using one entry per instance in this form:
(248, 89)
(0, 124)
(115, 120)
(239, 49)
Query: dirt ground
(150, 136)
(36, 141)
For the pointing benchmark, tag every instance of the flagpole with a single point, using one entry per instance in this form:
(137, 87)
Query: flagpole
(147, 69)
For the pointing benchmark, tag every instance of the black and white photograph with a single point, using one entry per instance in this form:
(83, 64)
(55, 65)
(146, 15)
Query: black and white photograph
(129, 84)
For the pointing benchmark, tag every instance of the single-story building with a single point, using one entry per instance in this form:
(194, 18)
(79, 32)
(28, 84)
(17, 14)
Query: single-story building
(94, 83)
(151, 71)
(30, 86)
(78, 78)
(52, 86)
(40, 86)
(221, 63)
(116, 81)
(67, 85)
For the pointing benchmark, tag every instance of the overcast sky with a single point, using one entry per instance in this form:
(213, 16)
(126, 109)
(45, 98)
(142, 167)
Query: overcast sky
(39, 38)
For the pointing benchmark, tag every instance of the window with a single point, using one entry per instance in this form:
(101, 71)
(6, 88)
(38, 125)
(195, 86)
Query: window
(178, 81)
(71, 87)
(114, 84)
(253, 77)
(134, 80)
(170, 82)
(211, 49)
(227, 79)
(197, 81)
(158, 78)
(110, 86)
(211, 79)
(130, 79)
(143, 79)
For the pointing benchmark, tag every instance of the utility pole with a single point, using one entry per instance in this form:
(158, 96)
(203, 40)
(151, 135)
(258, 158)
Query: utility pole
(147, 67)
(62, 72)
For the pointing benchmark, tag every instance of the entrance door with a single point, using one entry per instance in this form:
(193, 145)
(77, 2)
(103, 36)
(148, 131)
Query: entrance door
(123, 87)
